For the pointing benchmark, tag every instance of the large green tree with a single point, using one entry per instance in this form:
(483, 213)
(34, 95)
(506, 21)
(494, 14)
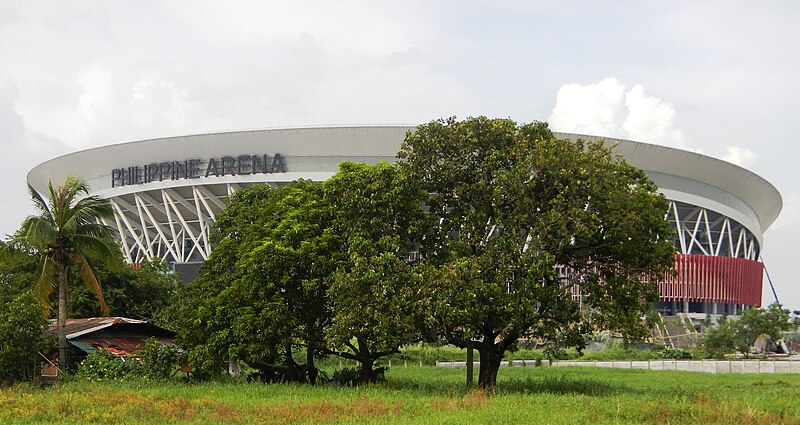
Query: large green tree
(261, 295)
(376, 297)
(320, 268)
(524, 223)
(66, 233)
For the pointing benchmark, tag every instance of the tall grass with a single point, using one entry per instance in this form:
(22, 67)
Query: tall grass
(426, 395)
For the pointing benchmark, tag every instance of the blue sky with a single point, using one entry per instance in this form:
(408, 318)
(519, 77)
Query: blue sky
(716, 77)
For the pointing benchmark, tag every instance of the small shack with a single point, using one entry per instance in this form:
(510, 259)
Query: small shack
(119, 335)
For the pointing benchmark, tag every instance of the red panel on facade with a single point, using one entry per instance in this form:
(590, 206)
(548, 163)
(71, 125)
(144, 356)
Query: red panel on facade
(703, 278)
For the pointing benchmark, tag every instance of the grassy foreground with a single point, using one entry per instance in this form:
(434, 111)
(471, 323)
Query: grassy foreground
(426, 395)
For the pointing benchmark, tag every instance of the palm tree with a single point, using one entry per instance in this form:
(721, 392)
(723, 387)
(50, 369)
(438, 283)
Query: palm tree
(67, 233)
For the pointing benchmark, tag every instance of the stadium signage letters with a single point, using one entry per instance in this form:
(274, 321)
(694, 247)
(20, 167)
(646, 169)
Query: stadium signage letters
(196, 168)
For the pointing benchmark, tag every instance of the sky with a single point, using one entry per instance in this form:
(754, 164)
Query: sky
(718, 77)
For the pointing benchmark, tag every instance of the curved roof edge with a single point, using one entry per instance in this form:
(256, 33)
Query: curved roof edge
(753, 189)
(758, 193)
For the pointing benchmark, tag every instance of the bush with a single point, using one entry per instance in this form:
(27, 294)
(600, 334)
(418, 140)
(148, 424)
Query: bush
(351, 376)
(102, 365)
(674, 353)
(156, 360)
(21, 324)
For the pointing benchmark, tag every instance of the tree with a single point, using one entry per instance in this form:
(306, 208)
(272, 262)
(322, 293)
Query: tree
(721, 339)
(741, 334)
(67, 233)
(21, 318)
(262, 292)
(316, 267)
(139, 292)
(522, 221)
(375, 296)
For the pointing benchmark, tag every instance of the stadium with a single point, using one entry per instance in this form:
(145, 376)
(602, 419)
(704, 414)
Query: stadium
(167, 192)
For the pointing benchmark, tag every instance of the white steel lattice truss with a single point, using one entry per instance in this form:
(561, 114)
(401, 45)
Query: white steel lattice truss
(705, 232)
(173, 224)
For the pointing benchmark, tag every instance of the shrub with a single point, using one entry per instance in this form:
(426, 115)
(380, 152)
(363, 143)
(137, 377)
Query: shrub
(101, 365)
(674, 353)
(156, 360)
(21, 323)
(351, 376)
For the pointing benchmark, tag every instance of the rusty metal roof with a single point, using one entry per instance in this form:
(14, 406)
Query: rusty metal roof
(119, 335)
(78, 327)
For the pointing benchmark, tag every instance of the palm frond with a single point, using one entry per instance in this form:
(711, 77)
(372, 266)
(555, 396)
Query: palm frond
(39, 202)
(73, 187)
(87, 211)
(35, 233)
(46, 283)
(90, 279)
(100, 247)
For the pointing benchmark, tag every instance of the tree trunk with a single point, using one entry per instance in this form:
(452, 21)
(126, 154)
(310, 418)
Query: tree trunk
(365, 357)
(310, 368)
(62, 319)
(366, 370)
(491, 357)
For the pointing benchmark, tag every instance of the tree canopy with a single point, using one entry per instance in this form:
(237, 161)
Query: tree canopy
(320, 268)
(741, 334)
(141, 291)
(376, 294)
(262, 292)
(526, 222)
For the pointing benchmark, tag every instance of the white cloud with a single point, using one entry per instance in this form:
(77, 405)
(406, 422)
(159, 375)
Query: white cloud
(592, 109)
(742, 157)
(650, 119)
(607, 108)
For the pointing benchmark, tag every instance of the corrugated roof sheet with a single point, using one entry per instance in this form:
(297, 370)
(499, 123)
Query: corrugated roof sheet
(78, 327)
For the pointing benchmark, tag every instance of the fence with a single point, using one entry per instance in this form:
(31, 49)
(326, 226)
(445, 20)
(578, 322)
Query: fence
(707, 366)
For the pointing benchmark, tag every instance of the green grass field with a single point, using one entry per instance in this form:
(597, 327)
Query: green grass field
(426, 395)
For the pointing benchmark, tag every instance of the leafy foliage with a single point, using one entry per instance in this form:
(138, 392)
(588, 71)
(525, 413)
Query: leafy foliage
(321, 268)
(103, 365)
(156, 361)
(674, 353)
(740, 335)
(721, 339)
(376, 296)
(138, 292)
(21, 324)
(512, 203)
(21, 317)
(262, 291)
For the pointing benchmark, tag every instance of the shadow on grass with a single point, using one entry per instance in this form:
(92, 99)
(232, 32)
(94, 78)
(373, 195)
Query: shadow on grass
(544, 385)
(560, 385)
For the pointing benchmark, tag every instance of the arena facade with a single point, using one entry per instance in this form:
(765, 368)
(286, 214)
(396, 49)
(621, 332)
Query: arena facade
(167, 192)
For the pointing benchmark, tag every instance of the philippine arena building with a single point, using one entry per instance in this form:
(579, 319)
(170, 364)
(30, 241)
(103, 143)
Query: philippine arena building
(167, 192)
